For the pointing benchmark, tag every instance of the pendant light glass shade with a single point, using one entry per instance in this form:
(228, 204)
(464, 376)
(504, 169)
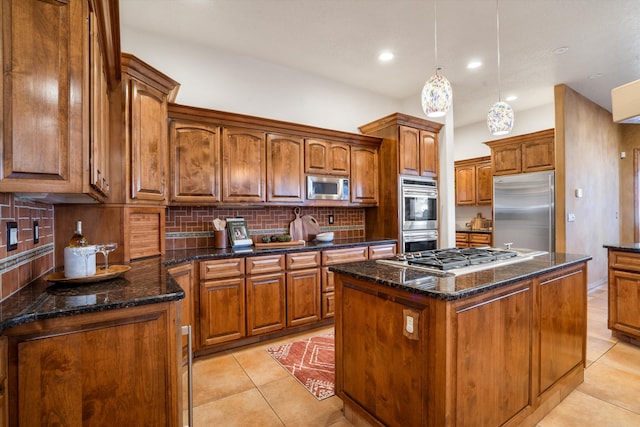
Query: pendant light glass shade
(500, 119)
(436, 93)
(436, 96)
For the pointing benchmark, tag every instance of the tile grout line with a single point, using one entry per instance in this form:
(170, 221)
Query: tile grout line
(258, 388)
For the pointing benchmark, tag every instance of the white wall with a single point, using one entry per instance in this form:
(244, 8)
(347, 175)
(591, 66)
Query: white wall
(220, 80)
(469, 139)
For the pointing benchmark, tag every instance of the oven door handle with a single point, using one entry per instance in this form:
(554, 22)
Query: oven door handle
(420, 237)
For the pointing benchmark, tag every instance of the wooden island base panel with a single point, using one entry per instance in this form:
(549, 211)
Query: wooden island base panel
(498, 347)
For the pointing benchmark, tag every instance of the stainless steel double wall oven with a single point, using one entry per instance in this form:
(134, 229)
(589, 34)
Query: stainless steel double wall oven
(418, 212)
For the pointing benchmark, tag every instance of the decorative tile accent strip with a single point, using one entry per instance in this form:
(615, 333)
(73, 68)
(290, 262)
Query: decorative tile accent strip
(9, 263)
(268, 231)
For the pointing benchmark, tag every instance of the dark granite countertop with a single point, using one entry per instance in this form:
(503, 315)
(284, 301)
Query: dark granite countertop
(468, 230)
(456, 287)
(146, 283)
(625, 247)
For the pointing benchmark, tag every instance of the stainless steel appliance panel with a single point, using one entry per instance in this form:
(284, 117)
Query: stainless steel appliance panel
(418, 204)
(415, 241)
(524, 210)
(327, 188)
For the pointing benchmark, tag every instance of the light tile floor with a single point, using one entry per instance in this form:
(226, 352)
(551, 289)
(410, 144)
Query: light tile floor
(246, 387)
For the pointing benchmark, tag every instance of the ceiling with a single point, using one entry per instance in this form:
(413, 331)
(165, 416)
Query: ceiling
(340, 40)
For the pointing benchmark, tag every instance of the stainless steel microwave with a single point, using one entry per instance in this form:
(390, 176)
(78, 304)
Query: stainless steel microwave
(327, 188)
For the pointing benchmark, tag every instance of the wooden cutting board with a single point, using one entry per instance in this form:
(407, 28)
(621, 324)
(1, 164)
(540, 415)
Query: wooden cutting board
(276, 245)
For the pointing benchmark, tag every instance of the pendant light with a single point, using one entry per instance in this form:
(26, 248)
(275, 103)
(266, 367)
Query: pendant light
(436, 93)
(500, 117)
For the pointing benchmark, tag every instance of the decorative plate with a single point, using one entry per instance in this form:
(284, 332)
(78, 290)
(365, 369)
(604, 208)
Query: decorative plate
(110, 273)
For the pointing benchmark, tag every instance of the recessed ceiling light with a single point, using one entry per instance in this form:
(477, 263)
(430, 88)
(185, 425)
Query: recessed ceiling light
(474, 64)
(385, 56)
(560, 50)
(511, 98)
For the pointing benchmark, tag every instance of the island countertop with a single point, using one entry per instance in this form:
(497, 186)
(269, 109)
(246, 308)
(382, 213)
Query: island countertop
(625, 247)
(146, 283)
(444, 287)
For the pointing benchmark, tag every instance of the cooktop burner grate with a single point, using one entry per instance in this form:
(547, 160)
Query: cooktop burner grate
(447, 259)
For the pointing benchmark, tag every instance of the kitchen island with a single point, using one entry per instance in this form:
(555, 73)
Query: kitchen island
(500, 346)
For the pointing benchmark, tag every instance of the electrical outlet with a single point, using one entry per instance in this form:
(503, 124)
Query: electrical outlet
(571, 217)
(330, 219)
(12, 236)
(36, 232)
(411, 322)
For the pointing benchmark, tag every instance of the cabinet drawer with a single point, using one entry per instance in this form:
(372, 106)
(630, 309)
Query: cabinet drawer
(462, 237)
(340, 256)
(215, 269)
(265, 264)
(624, 260)
(299, 260)
(479, 238)
(382, 251)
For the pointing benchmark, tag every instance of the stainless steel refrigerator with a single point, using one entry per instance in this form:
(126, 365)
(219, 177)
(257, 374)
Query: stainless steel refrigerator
(524, 210)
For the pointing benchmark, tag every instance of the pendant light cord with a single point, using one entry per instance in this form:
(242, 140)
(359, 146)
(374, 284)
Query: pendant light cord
(498, 45)
(435, 33)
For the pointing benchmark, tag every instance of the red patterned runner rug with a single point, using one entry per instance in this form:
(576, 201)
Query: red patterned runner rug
(310, 361)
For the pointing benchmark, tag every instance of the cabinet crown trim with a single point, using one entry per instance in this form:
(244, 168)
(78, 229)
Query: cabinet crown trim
(401, 119)
(185, 112)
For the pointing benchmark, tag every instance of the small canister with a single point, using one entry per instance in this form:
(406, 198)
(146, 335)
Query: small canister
(220, 239)
(79, 261)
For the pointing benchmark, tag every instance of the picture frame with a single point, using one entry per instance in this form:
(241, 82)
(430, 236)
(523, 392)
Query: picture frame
(238, 232)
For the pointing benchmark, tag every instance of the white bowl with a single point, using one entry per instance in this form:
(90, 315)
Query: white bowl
(325, 237)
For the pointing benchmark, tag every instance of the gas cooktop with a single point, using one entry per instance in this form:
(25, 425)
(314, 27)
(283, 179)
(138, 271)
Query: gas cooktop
(459, 260)
(447, 259)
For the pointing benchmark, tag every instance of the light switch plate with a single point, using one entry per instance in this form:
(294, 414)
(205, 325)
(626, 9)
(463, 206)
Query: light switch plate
(12, 236)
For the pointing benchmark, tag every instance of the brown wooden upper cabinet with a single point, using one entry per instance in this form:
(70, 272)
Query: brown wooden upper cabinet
(285, 169)
(146, 94)
(326, 157)
(50, 141)
(418, 152)
(225, 158)
(364, 175)
(474, 181)
(243, 165)
(195, 162)
(523, 153)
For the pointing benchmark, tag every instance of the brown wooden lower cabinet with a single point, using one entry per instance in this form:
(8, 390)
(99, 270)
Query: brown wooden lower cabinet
(303, 296)
(624, 294)
(222, 311)
(243, 300)
(265, 303)
(118, 367)
(499, 358)
(470, 240)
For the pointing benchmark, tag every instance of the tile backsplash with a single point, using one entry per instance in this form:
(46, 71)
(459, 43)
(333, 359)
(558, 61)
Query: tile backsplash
(186, 227)
(192, 227)
(30, 260)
